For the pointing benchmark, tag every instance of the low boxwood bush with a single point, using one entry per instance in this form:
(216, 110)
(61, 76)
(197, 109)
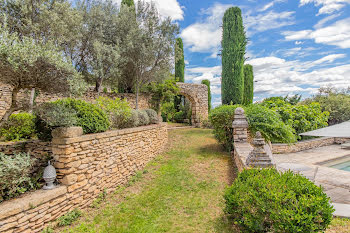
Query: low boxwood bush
(52, 115)
(89, 116)
(19, 126)
(15, 175)
(118, 111)
(153, 116)
(265, 200)
(260, 118)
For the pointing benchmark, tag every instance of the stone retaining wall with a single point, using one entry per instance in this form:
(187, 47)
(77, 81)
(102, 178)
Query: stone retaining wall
(86, 166)
(90, 96)
(280, 148)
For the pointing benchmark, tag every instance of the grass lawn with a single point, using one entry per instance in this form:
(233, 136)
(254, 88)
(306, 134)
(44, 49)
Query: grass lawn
(179, 191)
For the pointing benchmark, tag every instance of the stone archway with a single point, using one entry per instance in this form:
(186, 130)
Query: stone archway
(198, 96)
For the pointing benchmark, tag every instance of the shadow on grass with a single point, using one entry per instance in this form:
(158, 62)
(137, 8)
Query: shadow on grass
(223, 225)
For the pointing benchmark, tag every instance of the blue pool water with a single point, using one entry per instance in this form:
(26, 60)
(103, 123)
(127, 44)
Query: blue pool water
(342, 166)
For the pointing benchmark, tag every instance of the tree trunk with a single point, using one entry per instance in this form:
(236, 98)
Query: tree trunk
(14, 107)
(98, 86)
(137, 97)
(31, 101)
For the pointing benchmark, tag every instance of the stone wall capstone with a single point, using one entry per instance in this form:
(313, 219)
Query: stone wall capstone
(198, 96)
(86, 166)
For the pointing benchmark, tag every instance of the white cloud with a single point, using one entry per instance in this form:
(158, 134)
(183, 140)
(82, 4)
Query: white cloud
(337, 34)
(329, 58)
(323, 21)
(205, 36)
(167, 8)
(327, 6)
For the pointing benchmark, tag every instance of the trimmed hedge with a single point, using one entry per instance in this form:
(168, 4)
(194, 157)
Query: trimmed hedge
(265, 200)
(19, 126)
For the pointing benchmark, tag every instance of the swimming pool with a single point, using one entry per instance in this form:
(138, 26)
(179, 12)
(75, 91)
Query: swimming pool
(342, 166)
(342, 163)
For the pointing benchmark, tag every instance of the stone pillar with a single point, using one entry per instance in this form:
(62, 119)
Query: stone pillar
(259, 157)
(63, 154)
(240, 126)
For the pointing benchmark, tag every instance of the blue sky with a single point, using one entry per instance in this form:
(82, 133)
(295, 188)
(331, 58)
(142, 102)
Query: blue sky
(295, 46)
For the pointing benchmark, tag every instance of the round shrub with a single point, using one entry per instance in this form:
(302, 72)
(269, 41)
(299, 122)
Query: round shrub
(143, 117)
(52, 115)
(134, 119)
(19, 126)
(118, 111)
(153, 116)
(265, 200)
(89, 116)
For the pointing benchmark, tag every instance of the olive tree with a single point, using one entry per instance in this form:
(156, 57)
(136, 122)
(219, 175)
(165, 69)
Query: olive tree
(147, 44)
(26, 64)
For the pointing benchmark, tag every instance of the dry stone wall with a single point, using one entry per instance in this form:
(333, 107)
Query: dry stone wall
(198, 96)
(86, 165)
(90, 96)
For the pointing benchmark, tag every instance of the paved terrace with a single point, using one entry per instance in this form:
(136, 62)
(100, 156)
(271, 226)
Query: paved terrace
(336, 183)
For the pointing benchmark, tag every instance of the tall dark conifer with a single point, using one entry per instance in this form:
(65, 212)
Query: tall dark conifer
(233, 49)
(248, 84)
(129, 3)
(207, 82)
(180, 61)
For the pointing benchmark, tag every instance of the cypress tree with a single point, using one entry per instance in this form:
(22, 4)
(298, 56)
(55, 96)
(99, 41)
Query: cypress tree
(207, 82)
(233, 49)
(248, 84)
(180, 61)
(179, 68)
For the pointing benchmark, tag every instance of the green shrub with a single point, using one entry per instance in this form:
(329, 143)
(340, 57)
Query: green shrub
(118, 111)
(221, 119)
(269, 123)
(69, 218)
(153, 116)
(133, 120)
(335, 102)
(52, 115)
(260, 118)
(143, 118)
(168, 111)
(19, 126)
(300, 117)
(89, 116)
(15, 174)
(179, 117)
(264, 200)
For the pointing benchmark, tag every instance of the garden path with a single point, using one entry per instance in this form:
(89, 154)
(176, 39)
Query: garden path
(180, 191)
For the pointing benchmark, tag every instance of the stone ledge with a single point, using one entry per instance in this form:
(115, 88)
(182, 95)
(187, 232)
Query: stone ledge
(29, 201)
(107, 134)
(302, 142)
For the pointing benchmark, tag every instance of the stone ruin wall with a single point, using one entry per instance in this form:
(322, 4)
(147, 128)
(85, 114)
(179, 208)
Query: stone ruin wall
(198, 96)
(90, 96)
(86, 166)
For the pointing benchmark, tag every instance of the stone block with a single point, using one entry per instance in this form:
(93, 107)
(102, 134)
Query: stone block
(67, 132)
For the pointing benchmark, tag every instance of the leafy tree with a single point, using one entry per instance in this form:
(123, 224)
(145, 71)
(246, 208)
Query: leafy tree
(26, 64)
(293, 100)
(129, 3)
(207, 83)
(162, 92)
(248, 84)
(98, 50)
(147, 43)
(233, 49)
